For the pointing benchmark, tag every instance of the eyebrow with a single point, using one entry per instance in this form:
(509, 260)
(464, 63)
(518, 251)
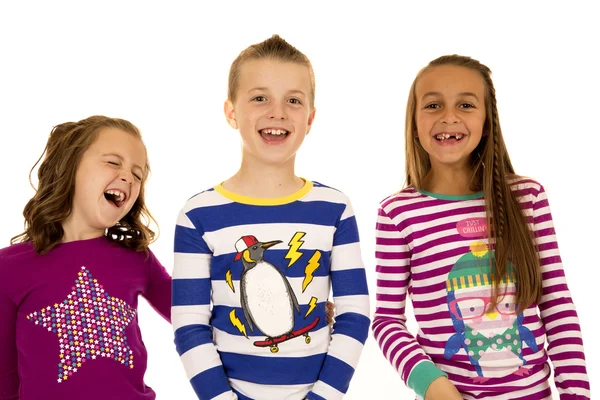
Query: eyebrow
(258, 89)
(460, 94)
(121, 158)
(264, 89)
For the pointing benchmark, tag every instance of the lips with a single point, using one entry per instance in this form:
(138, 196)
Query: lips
(449, 136)
(274, 135)
(115, 196)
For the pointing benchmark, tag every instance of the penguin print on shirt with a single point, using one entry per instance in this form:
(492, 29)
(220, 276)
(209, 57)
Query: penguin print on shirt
(267, 299)
(492, 339)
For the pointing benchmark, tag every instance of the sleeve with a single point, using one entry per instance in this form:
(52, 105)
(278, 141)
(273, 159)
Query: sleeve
(191, 314)
(9, 374)
(158, 289)
(351, 298)
(557, 310)
(398, 345)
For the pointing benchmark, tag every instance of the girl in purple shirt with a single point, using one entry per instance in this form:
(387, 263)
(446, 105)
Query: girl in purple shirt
(69, 284)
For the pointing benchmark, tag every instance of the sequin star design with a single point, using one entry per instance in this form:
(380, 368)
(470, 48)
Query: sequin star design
(89, 324)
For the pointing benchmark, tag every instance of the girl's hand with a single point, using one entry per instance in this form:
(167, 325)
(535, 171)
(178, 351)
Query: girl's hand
(442, 389)
(330, 311)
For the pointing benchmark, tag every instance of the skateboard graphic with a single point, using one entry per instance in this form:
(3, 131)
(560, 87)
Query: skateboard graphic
(273, 342)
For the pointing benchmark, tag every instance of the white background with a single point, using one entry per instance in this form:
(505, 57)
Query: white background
(164, 66)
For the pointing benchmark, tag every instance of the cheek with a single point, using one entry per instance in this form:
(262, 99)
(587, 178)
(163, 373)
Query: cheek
(135, 192)
(476, 125)
(85, 182)
(424, 124)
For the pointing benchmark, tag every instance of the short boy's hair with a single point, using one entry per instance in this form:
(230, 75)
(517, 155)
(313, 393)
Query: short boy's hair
(274, 48)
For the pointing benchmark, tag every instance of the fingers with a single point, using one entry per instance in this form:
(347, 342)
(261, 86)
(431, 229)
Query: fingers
(330, 311)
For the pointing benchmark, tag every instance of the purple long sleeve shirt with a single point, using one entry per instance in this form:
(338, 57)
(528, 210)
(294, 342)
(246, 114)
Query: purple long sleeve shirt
(435, 249)
(68, 320)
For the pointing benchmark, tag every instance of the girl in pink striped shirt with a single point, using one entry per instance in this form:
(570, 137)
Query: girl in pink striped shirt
(474, 246)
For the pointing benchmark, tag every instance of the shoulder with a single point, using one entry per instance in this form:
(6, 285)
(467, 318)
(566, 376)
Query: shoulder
(525, 186)
(128, 255)
(207, 198)
(17, 251)
(13, 259)
(127, 260)
(399, 200)
(321, 192)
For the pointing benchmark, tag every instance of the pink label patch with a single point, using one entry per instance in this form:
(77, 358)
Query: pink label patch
(472, 228)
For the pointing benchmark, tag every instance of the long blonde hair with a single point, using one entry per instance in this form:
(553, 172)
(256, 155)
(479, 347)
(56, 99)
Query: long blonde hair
(491, 169)
(52, 202)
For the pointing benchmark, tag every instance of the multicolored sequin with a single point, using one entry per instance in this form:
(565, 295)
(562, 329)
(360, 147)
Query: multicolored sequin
(89, 324)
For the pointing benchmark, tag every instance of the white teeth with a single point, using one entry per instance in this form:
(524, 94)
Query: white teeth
(444, 136)
(119, 196)
(275, 132)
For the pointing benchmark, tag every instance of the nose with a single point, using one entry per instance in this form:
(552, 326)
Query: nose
(450, 117)
(127, 177)
(277, 111)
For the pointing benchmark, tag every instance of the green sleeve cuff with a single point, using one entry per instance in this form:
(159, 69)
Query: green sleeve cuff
(422, 375)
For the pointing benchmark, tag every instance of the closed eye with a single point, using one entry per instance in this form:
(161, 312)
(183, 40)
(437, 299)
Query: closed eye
(139, 178)
(113, 163)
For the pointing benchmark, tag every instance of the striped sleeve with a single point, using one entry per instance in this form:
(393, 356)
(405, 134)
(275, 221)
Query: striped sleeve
(557, 310)
(191, 313)
(389, 323)
(351, 298)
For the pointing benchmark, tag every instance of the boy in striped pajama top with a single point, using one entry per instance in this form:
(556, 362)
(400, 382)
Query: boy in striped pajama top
(433, 243)
(256, 256)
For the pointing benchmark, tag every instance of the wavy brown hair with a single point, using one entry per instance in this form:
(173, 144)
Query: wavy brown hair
(491, 172)
(274, 48)
(52, 202)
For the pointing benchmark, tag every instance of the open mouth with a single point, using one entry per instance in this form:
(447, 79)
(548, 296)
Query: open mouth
(273, 135)
(449, 137)
(116, 197)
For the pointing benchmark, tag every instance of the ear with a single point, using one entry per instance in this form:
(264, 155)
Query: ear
(230, 114)
(311, 118)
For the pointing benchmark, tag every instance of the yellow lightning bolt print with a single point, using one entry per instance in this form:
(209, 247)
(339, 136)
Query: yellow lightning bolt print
(311, 267)
(229, 280)
(235, 321)
(311, 306)
(293, 254)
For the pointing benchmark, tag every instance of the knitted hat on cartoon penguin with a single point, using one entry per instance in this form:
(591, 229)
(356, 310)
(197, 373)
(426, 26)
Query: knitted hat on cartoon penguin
(473, 269)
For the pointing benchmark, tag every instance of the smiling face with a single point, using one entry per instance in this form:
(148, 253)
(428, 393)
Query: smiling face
(107, 182)
(450, 114)
(272, 110)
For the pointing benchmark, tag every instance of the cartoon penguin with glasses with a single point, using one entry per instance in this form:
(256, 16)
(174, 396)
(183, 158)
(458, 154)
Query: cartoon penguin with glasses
(493, 340)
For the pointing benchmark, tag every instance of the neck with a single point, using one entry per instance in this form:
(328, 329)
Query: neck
(448, 181)
(74, 231)
(261, 180)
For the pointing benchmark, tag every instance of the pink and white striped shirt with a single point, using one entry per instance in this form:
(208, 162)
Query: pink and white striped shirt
(435, 248)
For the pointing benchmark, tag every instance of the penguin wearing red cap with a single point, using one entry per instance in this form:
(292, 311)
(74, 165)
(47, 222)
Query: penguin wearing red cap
(267, 299)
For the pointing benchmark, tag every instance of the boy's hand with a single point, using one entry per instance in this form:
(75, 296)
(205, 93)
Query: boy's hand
(442, 389)
(330, 311)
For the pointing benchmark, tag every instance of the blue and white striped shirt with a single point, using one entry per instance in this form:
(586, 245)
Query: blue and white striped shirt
(309, 240)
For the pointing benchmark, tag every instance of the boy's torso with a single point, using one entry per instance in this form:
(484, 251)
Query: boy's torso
(270, 280)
